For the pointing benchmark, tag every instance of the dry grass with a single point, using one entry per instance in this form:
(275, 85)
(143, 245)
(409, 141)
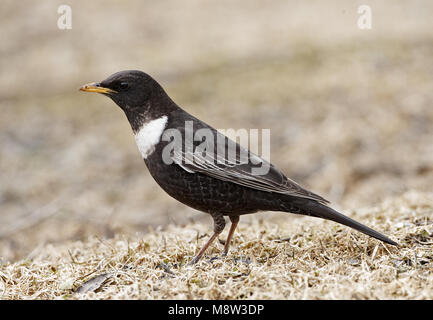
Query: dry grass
(310, 259)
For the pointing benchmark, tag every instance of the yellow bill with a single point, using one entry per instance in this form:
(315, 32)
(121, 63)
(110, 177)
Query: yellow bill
(96, 87)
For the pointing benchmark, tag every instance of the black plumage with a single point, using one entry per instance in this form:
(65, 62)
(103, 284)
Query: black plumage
(219, 186)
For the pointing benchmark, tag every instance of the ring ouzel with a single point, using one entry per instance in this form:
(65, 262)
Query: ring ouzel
(208, 179)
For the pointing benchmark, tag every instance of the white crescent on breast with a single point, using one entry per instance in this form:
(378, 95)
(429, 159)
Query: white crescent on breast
(149, 135)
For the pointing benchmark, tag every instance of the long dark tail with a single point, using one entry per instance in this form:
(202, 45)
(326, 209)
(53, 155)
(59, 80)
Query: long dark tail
(313, 208)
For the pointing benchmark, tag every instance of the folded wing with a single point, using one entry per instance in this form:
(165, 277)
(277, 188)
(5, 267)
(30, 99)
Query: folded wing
(226, 160)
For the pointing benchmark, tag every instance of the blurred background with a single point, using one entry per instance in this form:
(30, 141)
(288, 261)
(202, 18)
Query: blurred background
(350, 110)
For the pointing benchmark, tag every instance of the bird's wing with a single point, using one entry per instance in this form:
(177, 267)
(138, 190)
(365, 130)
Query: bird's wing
(243, 167)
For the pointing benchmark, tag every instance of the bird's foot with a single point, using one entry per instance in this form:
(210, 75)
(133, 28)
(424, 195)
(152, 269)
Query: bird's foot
(194, 260)
(210, 260)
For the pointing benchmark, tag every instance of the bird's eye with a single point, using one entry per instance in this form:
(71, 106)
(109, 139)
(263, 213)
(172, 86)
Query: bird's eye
(123, 85)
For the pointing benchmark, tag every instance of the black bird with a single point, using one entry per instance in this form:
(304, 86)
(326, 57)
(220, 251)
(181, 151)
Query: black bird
(207, 179)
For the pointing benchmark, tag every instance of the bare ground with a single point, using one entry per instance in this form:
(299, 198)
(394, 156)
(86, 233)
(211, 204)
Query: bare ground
(309, 259)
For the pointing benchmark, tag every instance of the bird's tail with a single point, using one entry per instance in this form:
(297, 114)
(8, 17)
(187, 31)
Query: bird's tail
(319, 210)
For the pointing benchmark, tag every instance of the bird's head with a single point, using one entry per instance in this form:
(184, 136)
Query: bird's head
(128, 89)
(136, 93)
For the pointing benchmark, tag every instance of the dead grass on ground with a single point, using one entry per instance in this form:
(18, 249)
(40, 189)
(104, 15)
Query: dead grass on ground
(308, 259)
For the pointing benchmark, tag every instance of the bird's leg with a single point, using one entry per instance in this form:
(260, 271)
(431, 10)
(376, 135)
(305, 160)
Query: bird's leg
(219, 224)
(234, 220)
